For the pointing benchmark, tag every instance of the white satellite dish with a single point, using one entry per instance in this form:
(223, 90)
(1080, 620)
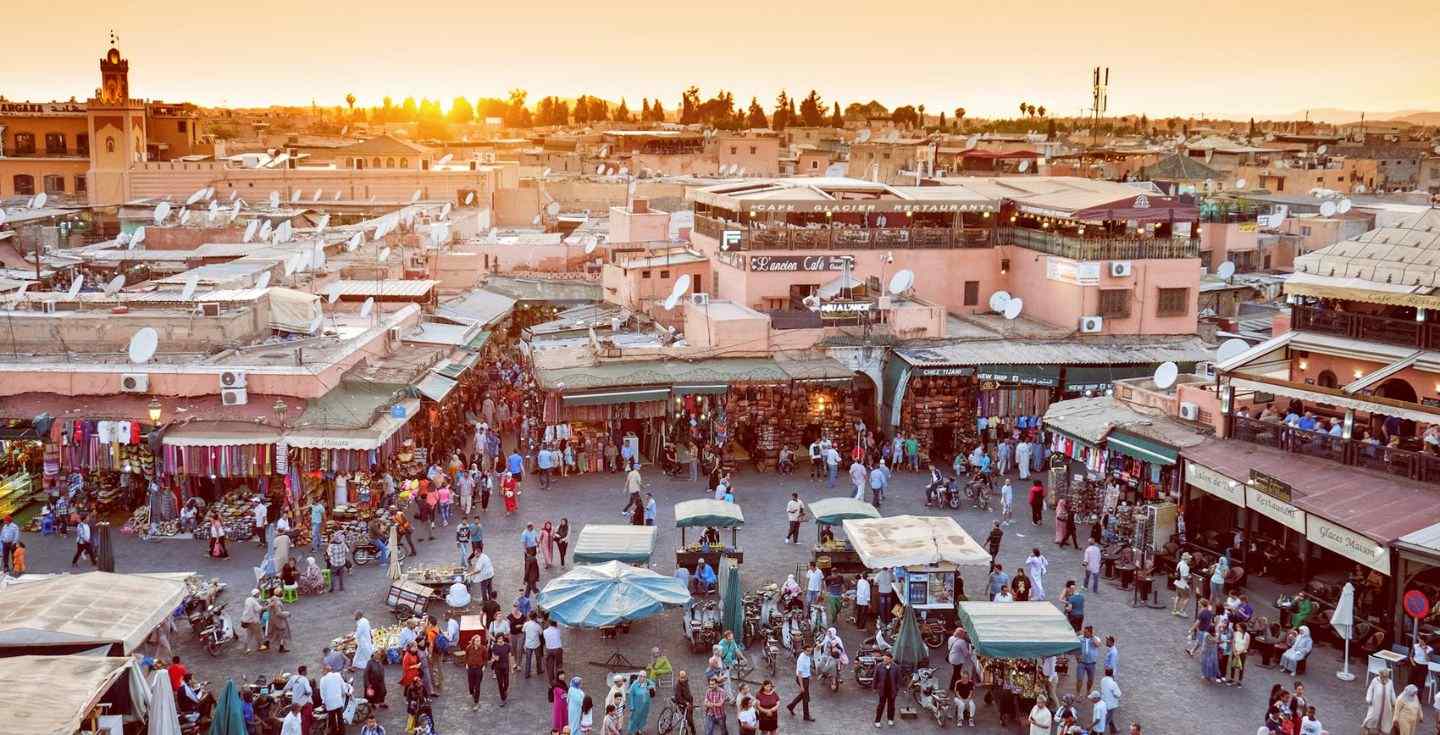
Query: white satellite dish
(1166, 374)
(234, 195)
(609, 172)
(384, 255)
(469, 198)
(901, 282)
(333, 297)
(1230, 349)
(210, 192)
(250, 230)
(307, 259)
(184, 216)
(811, 302)
(863, 135)
(284, 232)
(295, 195)
(214, 206)
(318, 193)
(682, 284)
(263, 281)
(545, 174)
(445, 211)
(998, 300)
(40, 200)
(1226, 270)
(600, 170)
(1359, 188)
(1344, 206)
(536, 220)
(1322, 150)
(415, 197)
(445, 159)
(324, 222)
(741, 172)
(138, 236)
(115, 284)
(292, 264)
(590, 243)
(354, 243)
(162, 211)
(1240, 183)
(1327, 208)
(336, 198)
(191, 283)
(552, 209)
(1013, 307)
(265, 228)
(143, 344)
(197, 196)
(75, 287)
(367, 307)
(274, 199)
(1024, 166)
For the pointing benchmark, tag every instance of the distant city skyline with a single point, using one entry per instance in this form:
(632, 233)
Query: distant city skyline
(1165, 61)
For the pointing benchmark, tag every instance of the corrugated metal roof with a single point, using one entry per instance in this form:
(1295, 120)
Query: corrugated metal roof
(662, 373)
(1426, 539)
(435, 386)
(435, 333)
(525, 289)
(477, 307)
(1103, 351)
(411, 289)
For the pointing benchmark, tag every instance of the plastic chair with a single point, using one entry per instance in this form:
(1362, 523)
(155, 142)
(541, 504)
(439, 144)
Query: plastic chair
(290, 593)
(47, 525)
(325, 574)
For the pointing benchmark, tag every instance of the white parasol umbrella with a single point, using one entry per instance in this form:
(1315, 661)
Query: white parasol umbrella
(163, 718)
(1343, 621)
(394, 571)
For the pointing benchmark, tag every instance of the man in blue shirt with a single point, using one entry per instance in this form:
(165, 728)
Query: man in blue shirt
(529, 537)
(878, 479)
(544, 461)
(650, 509)
(1085, 660)
(515, 465)
(1074, 605)
(998, 580)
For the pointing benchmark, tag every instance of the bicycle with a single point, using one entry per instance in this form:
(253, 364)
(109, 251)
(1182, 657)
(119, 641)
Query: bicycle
(672, 720)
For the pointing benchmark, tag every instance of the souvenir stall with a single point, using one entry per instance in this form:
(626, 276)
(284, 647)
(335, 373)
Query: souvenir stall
(831, 552)
(710, 516)
(930, 555)
(1010, 641)
(600, 542)
(1012, 398)
(212, 459)
(938, 405)
(626, 416)
(21, 449)
(111, 463)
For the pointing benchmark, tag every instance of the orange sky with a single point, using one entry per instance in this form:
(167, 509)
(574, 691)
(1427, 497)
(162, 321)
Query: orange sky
(1224, 57)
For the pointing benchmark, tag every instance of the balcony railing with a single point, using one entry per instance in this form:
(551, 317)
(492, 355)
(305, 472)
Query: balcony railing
(843, 238)
(1387, 330)
(1099, 248)
(1414, 465)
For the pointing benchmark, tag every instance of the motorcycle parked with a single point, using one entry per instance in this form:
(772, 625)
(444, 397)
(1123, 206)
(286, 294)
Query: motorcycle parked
(212, 628)
(929, 695)
(978, 490)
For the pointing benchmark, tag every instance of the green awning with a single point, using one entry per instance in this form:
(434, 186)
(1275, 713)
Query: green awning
(833, 511)
(1042, 375)
(707, 512)
(617, 396)
(453, 369)
(1083, 378)
(435, 386)
(478, 342)
(1018, 629)
(599, 543)
(1145, 450)
(714, 389)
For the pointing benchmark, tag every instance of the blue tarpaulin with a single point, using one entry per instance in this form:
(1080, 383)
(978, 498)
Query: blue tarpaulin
(601, 595)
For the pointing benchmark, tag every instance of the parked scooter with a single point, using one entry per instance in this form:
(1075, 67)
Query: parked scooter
(212, 628)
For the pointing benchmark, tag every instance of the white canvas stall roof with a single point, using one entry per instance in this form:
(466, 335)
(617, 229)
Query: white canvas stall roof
(234, 274)
(1405, 255)
(911, 541)
(51, 695)
(293, 311)
(97, 607)
(220, 434)
(436, 333)
(370, 437)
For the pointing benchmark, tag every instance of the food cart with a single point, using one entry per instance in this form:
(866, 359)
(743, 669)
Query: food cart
(707, 514)
(930, 554)
(831, 552)
(1011, 638)
(599, 543)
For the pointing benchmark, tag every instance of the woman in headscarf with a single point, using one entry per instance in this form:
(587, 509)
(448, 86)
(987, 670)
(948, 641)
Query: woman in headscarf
(1290, 660)
(281, 547)
(1379, 705)
(510, 492)
(574, 698)
(641, 691)
(375, 680)
(559, 703)
(547, 540)
(790, 594)
(1062, 516)
(835, 646)
(312, 582)
(277, 628)
(1408, 713)
(410, 665)
(562, 542)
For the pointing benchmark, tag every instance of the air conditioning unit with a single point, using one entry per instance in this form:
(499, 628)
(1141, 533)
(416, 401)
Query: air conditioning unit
(700, 299)
(232, 379)
(392, 335)
(1205, 369)
(1091, 324)
(234, 396)
(1189, 411)
(209, 309)
(1121, 269)
(134, 383)
(486, 156)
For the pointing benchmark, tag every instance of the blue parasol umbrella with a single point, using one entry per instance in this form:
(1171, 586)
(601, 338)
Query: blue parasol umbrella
(601, 595)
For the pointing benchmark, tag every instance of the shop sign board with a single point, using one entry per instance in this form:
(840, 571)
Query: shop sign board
(1198, 475)
(1073, 272)
(800, 263)
(1347, 543)
(1272, 486)
(1275, 509)
(937, 372)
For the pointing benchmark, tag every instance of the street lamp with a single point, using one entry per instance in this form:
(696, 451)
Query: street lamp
(154, 408)
(280, 409)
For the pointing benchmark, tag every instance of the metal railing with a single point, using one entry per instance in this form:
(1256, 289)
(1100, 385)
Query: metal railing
(1413, 465)
(844, 238)
(1383, 329)
(1099, 248)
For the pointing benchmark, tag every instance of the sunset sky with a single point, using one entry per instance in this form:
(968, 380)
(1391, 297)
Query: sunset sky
(1222, 57)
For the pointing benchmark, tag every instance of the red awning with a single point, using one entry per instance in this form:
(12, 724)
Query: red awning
(1380, 506)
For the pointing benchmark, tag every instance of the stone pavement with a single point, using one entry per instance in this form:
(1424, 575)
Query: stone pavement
(1162, 686)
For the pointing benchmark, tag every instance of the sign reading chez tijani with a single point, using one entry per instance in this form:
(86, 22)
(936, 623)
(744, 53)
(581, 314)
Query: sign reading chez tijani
(800, 263)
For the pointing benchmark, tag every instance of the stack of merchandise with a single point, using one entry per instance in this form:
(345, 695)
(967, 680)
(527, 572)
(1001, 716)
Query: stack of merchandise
(1021, 676)
(383, 638)
(932, 403)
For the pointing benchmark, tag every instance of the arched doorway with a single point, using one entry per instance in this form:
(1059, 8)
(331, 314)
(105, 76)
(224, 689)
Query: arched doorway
(1398, 389)
(1327, 380)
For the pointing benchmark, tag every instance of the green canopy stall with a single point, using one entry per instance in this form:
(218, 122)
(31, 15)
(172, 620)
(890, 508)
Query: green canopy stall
(836, 553)
(1017, 629)
(710, 515)
(599, 543)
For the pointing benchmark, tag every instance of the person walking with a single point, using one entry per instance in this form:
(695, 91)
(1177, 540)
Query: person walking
(1040, 716)
(1037, 500)
(1092, 567)
(858, 477)
(462, 539)
(1085, 659)
(333, 691)
(794, 512)
(1036, 565)
(832, 465)
(500, 666)
(403, 529)
(958, 654)
(554, 645)
(714, 703)
(1380, 705)
(992, 542)
(562, 539)
(1007, 501)
(802, 678)
(1110, 694)
(879, 478)
(83, 544)
(9, 537)
(477, 657)
(887, 683)
(338, 557)
(250, 622)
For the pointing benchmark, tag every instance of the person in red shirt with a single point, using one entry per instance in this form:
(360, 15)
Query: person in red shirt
(1037, 502)
(177, 672)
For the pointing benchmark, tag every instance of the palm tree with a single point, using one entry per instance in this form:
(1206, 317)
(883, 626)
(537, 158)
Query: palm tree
(1030, 110)
(1024, 107)
(350, 101)
(921, 110)
(1041, 111)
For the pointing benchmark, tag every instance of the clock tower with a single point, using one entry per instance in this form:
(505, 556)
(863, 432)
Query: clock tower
(117, 131)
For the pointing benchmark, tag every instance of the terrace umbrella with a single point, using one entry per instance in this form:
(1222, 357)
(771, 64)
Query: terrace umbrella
(909, 649)
(228, 717)
(163, 719)
(394, 571)
(732, 616)
(602, 595)
(1343, 621)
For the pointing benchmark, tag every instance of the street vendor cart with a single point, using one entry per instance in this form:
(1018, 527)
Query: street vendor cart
(710, 516)
(599, 543)
(1011, 641)
(928, 554)
(831, 552)
(406, 598)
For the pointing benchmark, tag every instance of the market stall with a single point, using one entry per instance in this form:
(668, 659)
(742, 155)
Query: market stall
(931, 553)
(599, 543)
(609, 597)
(1011, 638)
(94, 611)
(211, 458)
(830, 552)
(65, 695)
(710, 515)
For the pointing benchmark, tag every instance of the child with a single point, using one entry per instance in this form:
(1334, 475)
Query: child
(17, 559)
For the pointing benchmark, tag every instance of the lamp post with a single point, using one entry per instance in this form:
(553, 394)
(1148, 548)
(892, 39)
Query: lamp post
(154, 409)
(280, 409)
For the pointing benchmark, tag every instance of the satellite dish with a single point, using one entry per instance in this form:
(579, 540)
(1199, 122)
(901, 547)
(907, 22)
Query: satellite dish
(1359, 188)
(162, 210)
(415, 197)
(295, 195)
(552, 209)
(545, 174)
(234, 195)
(367, 307)
(998, 300)
(138, 237)
(318, 193)
(670, 301)
(264, 233)
(143, 344)
(445, 211)
(682, 284)
(1166, 374)
(1240, 183)
(75, 287)
(590, 243)
(333, 297)
(40, 200)
(741, 171)
(192, 282)
(1322, 150)
(1230, 349)
(284, 232)
(1226, 270)
(337, 196)
(445, 159)
(1024, 166)
(469, 198)
(264, 280)
(536, 220)
(811, 302)
(354, 243)
(1327, 208)
(600, 170)
(324, 222)
(274, 199)
(307, 259)
(184, 216)
(197, 196)
(384, 255)
(250, 230)
(2, 216)
(1013, 307)
(214, 206)
(115, 284)
(609, 172)
(292, 264)
(1344, 206)
(863, 135)
(210, 192)
(901, 282)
